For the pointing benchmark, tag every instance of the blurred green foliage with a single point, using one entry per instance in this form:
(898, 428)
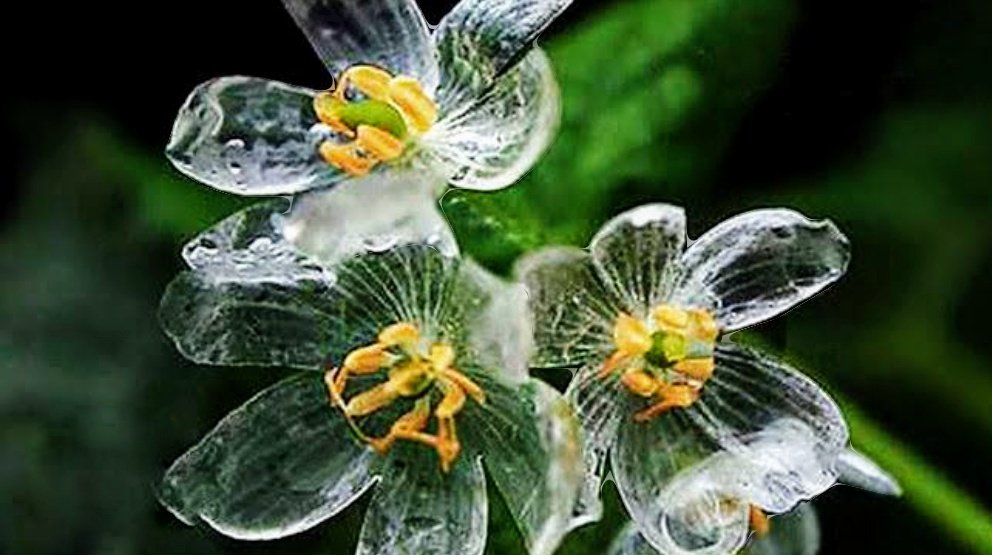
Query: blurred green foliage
(95, 403)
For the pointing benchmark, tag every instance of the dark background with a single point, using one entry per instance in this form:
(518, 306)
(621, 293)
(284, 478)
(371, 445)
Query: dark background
(877, 115)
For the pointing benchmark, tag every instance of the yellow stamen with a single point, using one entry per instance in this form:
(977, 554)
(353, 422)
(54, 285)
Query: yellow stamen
(470, 387)
(411, 100)
(370, 401)
(402, 334)
(703, 325)
(670, 319)
(348, 158)
(612, 363)
(448, 447)
(759, 521)
(700, 369)
(410, 373)
(414, 421)
(672, 397)
(631, 335)
(369, 80)
(442, 356)
(452, 403)
(380, 144)
(640, 382)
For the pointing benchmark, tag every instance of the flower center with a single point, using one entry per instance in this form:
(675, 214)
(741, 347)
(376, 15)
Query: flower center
(413, 370)
(667, 358)
(376, 113)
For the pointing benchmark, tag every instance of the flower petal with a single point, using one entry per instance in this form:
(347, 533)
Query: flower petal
(374, 213)
(760, 264)
(501, 333)
(529, 440)
(490, 140)
(660, 471)
(391, 34)
(599, 405)
(251, 137)
(637, 253)
(480, 40)
(280, 464)
(573, 313)
(252, 298)
(859, 471)
(761, 433)
(794, 533)
(419, 510)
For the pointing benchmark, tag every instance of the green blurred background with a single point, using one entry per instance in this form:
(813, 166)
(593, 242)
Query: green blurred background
(877, 116)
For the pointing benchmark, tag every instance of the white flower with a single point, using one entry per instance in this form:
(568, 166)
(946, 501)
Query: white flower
(642, 315)
(413, 376)
(472, 102)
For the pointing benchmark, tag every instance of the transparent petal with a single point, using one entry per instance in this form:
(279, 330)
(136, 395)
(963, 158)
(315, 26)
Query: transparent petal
(529, 440)
(501, 333)
(573, 313)
(637, 253)
(760, 264)
(599, 405)
(417, 510)
(251, 299)
(859, 471)
(251, 137)
(480, 40)
(630, 542)
(754, 396)
(794, 533)
(491, 140)
(280, 464)
(659, 468)
(761, 433)
(374, 213)
(391, 34)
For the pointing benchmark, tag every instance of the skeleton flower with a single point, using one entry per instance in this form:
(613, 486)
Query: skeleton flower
(641, 316)
(471, 101)
(413, 376)
(794, 533)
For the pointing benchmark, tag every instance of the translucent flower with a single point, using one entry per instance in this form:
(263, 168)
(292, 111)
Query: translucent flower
(413, 377)
(472, 101)
(794, 533)
(642, 314)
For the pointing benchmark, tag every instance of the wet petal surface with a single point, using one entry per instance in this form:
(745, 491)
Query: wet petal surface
(489, 141)
(479, 40)
(572, 310)
(280, 464)
(417, 510)
(391, 34)
(251, 136)
(760, 264)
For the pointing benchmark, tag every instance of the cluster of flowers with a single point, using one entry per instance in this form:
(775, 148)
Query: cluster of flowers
(415, 362)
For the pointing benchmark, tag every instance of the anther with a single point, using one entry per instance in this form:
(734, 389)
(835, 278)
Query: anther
(409, 97)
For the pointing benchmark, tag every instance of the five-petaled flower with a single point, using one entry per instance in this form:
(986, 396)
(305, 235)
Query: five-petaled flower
(414, 375)
(472, 102)
(661, 392)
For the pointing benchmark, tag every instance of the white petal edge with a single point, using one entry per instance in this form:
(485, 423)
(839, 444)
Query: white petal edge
(859, 471)
(637, 255)
(391, 34)
(369, 214)
(759, 264)
(251, 137)
(490, 142)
